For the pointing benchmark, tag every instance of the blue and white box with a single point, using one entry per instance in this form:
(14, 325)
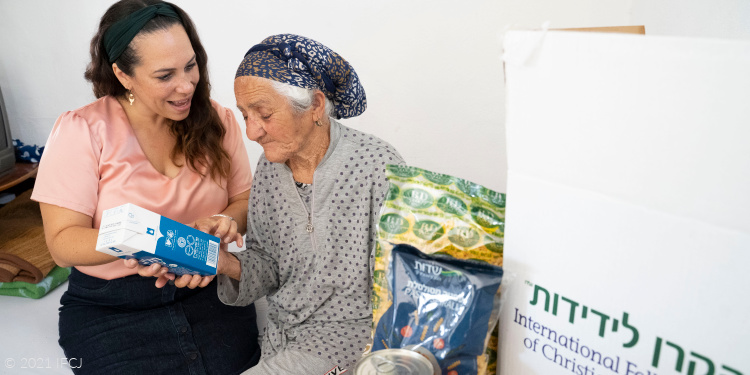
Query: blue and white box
(129, 231)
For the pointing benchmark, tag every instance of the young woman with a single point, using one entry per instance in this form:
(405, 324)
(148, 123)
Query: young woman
(153, 138)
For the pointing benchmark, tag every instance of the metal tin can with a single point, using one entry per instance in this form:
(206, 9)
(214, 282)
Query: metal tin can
(427, 354)
(393, 362)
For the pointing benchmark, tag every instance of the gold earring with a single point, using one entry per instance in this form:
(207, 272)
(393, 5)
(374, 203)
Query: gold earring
(131, 98)
(317, 122)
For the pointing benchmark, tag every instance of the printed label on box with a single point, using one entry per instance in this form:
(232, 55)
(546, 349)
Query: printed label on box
(129, 231)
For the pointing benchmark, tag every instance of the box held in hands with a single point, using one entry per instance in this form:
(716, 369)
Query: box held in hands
(130, 231)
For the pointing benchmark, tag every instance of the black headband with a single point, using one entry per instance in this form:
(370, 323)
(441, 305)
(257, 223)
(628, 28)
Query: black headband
(119, 35)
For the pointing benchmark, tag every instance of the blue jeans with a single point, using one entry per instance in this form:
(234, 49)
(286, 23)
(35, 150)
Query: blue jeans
(128, 326)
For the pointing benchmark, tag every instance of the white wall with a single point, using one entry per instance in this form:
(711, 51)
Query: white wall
(431, 68)
(728, 19)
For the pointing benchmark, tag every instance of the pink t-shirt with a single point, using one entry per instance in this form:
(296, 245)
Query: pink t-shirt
(93, 162)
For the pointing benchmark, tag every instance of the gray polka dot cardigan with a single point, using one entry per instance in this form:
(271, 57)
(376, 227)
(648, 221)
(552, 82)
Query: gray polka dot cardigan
(315, 265)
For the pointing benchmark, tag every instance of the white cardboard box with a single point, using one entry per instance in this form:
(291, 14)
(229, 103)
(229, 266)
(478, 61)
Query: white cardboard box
(627, 233)
(129, 231)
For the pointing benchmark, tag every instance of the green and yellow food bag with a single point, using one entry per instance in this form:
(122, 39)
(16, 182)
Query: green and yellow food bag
(438, 214)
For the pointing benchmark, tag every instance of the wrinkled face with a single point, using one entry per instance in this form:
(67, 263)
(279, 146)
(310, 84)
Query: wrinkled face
(164, 82)
(270, 120)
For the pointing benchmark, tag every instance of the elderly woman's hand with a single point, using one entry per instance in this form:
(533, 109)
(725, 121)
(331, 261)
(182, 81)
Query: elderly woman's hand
(221, 226)
(163, 275)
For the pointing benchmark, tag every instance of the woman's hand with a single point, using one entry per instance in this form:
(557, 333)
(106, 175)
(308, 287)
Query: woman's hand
(222, 226)
(163, 276)
(193, 281)
(154, 270)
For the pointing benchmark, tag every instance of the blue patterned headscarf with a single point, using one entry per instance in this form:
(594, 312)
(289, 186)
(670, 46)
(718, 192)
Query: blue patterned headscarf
(305, 63)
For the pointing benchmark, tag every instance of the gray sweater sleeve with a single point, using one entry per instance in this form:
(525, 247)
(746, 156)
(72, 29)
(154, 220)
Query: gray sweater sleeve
(257, 279)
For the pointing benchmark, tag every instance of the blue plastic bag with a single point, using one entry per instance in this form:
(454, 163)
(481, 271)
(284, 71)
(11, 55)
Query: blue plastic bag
(443, 304)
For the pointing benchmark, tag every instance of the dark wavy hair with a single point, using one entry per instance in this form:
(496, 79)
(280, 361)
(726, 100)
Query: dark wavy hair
(200, 135)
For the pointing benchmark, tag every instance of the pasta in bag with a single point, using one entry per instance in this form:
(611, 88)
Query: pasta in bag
(440, 304)
(438, 214)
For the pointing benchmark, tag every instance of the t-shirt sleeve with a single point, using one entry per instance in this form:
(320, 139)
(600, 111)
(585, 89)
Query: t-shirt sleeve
(68, 173)
(240, 175)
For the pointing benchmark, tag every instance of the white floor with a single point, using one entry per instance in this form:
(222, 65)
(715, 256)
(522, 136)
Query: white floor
(28, 338)
(28, 335)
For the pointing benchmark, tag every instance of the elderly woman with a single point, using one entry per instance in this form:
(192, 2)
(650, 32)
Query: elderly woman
(315, 201)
